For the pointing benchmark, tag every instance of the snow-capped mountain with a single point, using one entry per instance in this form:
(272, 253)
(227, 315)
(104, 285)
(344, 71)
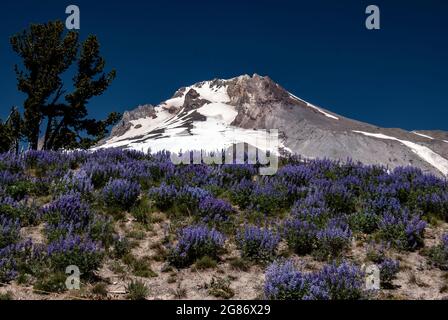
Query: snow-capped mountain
(217, 114)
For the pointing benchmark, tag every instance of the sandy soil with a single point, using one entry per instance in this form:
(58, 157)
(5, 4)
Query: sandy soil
(417, 279)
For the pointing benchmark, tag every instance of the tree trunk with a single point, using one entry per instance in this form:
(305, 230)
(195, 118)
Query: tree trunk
(47, 133)
(33, 141)
(54, 133)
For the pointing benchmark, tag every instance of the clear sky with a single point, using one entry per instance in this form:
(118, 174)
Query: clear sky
(319, 50)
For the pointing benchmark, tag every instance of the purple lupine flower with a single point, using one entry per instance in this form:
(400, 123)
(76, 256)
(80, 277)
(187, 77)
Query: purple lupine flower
(300, 235)
(74, 250)
(78, 182)
(332, 240)
(9, 231)
(161, 168)
(445, 242)
(215, 209)
(299, 175)
(334, 282)
(72, 243)
(339, 282)
(388, 270)
(240, 192)
(26, 254)
(195, 242)
(313, 199)
(12, 162)
(163, 196)
(135, 170)
(7, 177)
(121, 193)
(192, 196)
(166, 196)
(285, 282)
(333, 231)
(237, 172)
(338, 197)
(268, 197)
(407, 173)
(404, 230)
(102, 172)
(28, 248)
(383, 204)
(68, 208)
(257, 243)
(8, 269)
(190, 175)
(434, 203)
(69, 215)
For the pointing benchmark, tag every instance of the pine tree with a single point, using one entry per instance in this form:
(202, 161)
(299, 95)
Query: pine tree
(16, 127)
(5, 138)
(47, 52)
(11, 132)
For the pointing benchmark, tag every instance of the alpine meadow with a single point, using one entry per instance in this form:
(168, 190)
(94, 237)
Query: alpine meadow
(253, 152)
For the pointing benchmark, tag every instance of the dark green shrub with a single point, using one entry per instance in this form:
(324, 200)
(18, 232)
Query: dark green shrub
(137, 290)
(51, 283)
(205, 263)
(75, 251)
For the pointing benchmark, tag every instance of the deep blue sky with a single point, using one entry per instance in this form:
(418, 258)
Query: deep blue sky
(318, 50)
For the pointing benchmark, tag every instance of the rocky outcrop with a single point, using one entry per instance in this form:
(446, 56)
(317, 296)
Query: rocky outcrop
(193, 101)
(125, 124)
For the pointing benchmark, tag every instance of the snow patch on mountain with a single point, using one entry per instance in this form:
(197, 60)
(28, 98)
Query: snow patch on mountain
(219, 111)
(206, 136)
(212, 93)
(422, 135)
(423, 152)
(315, 108)
(144, 125)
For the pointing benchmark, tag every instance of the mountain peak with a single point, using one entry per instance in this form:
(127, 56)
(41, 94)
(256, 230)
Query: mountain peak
(218, 113)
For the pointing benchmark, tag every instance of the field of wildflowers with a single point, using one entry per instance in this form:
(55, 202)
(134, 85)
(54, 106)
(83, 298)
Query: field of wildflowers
(94, 210)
